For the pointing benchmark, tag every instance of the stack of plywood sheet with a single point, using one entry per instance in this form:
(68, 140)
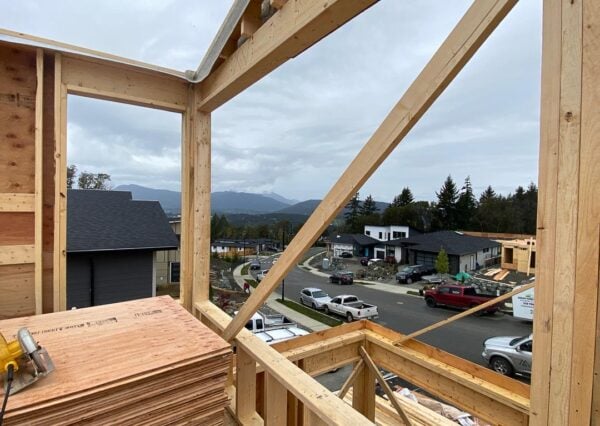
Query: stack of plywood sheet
(142, 362)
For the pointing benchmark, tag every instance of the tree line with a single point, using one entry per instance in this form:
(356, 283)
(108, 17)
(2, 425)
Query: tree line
(87, 180)
(221, 228)
(454, 209)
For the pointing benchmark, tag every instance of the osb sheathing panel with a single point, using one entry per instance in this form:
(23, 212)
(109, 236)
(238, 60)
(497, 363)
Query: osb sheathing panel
(17, 120)
(17, 295)
(16, 229)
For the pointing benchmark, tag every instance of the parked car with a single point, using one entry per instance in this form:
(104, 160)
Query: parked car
(411, 273)
(364, 261)
(509, 354)
(255, 265)
(373, 261)
(341, 277)
(261, 275)
(457, 296)
(346, 254)
(351, 307)
(314, 297)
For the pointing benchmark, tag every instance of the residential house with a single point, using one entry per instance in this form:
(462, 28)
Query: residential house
(390, 236)
(357, 244)
(111, 241)
(465, 252)
(168, 262)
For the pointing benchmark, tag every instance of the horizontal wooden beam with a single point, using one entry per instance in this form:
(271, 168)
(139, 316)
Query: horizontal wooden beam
(293, 29)
(466, 313)
(313, 395)
(122, 83)
(17, 255)
(462, 43)
(483, 399)
(14, 202)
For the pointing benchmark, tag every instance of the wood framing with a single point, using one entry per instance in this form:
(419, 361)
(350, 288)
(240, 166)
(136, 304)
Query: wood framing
(295, 27)
(16, 202)
(464, 40)
(39, 173)
(565, 371)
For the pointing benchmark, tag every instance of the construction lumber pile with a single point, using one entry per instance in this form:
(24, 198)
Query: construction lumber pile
(142, 362)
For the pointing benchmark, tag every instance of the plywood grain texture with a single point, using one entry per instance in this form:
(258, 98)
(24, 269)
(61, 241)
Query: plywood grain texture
(17, 296)
(17, 120)
(17, 228)
(150, 357)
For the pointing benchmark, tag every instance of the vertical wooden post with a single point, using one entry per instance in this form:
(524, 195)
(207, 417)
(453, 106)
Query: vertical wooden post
(39, 171)
(363, 393)
(245, 396)
(60, 184)
(195, 203)
(566, 315)
(275, 402)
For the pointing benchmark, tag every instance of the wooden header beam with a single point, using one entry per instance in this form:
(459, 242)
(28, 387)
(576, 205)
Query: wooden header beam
(462, 43)
(295, 27)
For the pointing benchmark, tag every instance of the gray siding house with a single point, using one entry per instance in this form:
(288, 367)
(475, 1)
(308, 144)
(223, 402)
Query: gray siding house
(111, 240)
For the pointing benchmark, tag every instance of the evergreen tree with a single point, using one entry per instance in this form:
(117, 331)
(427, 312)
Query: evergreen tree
(445, 214)
(368, 207)
(405, 198)
(352, 213)
(466, 206)
(71, 172)
(442, 264)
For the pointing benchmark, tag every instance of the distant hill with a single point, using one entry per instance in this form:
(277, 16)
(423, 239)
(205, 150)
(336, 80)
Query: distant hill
(170, 201)
(308, 206)
(221, 202)
(278, 197)
(264, 219)
(243, 202)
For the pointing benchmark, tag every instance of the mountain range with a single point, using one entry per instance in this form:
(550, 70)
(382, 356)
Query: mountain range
(239, 206)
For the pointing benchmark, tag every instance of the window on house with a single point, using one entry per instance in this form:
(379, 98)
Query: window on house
(508, 255)
(174, 269)
(397, 234)
(380, 235)
(367, 232)
(486, 250)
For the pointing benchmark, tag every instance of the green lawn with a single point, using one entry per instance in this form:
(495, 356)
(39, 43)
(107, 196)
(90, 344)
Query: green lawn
(311, 313)
(245, 269)
(253, 283)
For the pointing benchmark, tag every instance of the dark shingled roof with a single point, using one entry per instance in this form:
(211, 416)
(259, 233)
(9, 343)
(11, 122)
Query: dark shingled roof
(453, 242)
(111, 220)
(360, 239)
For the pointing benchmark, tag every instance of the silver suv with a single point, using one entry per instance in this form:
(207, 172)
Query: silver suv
(509, 354)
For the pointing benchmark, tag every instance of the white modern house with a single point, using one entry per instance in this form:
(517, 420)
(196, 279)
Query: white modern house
(390, 236)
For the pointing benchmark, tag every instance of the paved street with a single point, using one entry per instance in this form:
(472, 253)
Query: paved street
(406, 314)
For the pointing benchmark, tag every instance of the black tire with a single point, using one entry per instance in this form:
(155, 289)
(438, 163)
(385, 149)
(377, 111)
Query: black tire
(326, 309)
(409, 280)
(430, 301)
(501, 365)
(349, 317)
(313, 306)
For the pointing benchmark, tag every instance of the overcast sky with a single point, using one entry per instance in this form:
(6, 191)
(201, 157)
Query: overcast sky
(295, 131)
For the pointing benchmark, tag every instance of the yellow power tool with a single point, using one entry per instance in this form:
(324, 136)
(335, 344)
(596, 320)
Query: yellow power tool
(25, 358)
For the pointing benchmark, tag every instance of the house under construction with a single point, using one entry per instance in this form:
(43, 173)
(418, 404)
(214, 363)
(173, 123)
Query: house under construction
(273, 385)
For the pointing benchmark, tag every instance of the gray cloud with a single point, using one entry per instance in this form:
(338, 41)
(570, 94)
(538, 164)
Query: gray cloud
(295, 131)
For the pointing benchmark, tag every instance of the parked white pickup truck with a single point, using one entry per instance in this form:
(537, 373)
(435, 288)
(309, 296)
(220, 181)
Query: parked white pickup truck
(351, 307)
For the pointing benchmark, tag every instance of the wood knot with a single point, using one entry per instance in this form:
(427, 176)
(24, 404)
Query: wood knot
(569, 116)
(11, 136)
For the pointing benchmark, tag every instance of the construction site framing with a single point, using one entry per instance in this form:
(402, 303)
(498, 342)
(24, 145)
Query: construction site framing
(273, 385)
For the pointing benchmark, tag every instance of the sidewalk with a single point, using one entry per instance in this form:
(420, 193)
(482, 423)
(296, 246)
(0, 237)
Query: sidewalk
(272, 302)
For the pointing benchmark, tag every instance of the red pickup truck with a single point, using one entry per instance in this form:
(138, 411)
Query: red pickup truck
(457, 296)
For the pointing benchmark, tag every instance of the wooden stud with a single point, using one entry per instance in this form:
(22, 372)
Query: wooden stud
(351, 378)
(251, 20)
(466, 313)
(388, 391)
(275, 402)
(39, 162)
(287, 33)
(363, 392)
(17, 255)
(245, 385)
(16, 202)
(60, 185)
(464, 40)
